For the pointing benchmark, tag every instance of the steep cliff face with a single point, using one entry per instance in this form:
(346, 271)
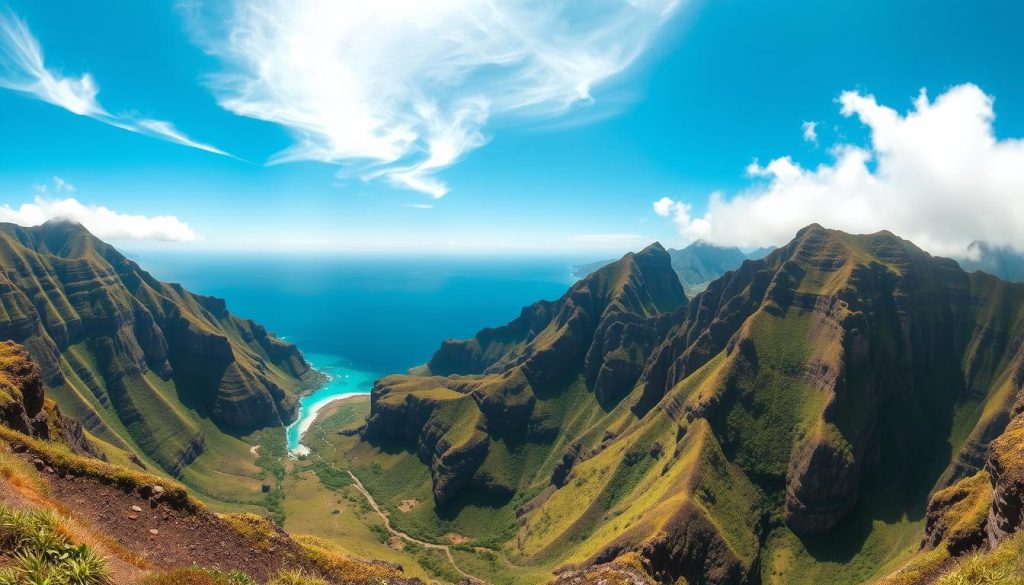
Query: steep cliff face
(1005, 468)
(602, 330)
(25, 408)
(21, 391)
(707, 436)
(135, 359)
(696, 265)
(980, 515)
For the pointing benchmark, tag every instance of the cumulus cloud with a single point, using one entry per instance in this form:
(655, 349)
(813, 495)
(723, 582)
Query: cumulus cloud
(104, 223)
(937, 175)
(690, 227)
(23, 69)
(398, 90)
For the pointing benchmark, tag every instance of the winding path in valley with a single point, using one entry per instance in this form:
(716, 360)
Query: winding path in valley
(387, 520)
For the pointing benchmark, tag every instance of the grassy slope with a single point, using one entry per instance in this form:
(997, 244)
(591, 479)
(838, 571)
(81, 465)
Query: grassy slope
(762, 416)
(323, 503)
(79, 282)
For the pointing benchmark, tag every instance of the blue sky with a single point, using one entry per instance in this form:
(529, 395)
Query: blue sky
(689, 94)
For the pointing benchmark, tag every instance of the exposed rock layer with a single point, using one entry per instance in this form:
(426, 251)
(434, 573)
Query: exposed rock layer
(835, 361)
(112, 339)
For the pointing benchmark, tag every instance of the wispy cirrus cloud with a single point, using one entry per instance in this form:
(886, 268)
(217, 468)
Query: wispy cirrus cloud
(23, 69)
(398, 90)
(937, 174)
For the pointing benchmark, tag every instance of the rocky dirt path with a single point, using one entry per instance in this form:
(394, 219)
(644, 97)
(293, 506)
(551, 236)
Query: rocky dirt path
(124, 566)
(158, 535)
(387, 521)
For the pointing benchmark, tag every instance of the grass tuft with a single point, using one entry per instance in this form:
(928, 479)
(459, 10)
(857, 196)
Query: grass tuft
(43, 553)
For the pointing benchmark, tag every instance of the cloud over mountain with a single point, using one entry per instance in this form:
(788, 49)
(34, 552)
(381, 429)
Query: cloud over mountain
(936, 174)
(103, 222)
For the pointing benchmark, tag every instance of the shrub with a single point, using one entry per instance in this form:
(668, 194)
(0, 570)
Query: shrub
(43, 554)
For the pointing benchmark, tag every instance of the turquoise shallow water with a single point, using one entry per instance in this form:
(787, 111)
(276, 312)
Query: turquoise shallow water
(343, 380)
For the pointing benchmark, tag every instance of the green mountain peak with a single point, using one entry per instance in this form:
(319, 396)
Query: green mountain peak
(840, 379)
(140, 362)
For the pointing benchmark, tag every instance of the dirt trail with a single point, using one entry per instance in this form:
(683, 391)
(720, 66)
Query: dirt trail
(123, 566)
(394, 532)
(157, 534)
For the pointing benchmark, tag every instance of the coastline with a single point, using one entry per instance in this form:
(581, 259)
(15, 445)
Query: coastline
(339, 381)
(329, 408)
(310, 414)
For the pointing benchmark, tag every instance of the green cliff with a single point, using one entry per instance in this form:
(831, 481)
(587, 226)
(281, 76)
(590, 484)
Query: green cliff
(696, 265)
(147, 367)
(787, 425)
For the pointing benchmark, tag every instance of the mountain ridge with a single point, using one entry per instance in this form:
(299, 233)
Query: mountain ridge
(764, 403)
(138, 361)
(696, 265)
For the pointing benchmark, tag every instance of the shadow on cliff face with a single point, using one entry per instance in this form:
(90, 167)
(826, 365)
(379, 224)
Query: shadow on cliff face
(395, 446)
(904, 466)
(475, 497)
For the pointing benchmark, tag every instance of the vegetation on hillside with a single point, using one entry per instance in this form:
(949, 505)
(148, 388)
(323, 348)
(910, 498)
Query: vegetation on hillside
(161, 378)
(789, 421)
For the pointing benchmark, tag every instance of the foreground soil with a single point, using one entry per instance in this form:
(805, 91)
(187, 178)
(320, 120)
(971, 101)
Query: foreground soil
(142, 535)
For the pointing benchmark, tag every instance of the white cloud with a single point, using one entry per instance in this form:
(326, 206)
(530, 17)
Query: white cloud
(401, 89)
(104, 223)
(690, 227)
(810, 130)
(936, 175)
(23, 69)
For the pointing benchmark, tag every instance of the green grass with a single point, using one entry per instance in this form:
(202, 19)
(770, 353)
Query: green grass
(435, 562)
(74, 282)
(495, 568)
(1002, 566)
(42, 552)
(845, 557)
(774, 408)
(339, 517)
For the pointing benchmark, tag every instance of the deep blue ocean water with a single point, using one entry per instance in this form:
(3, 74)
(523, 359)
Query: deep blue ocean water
(357, 319)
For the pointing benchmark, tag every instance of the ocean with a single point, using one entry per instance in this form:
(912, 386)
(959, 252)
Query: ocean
(360, 318)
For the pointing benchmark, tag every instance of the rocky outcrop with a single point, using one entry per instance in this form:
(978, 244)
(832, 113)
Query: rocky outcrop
(21, 392)
(23, 404)
(693, 548)
(689, 547)
(625, 570)
(821, 487)
(957, 516)
(1005, 467)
